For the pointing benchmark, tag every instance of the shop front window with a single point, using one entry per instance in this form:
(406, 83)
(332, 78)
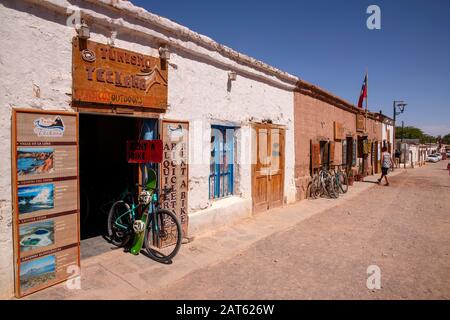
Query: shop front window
(221, 178)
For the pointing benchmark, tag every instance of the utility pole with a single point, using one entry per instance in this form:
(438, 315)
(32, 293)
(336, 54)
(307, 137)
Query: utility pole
(401, 107)
(401, 144)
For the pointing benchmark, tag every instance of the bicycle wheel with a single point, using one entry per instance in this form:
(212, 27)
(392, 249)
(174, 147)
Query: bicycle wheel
(333, 190)
(163, 237)
(324, 185)
(343, 182)
(310, 191)
(120, 224)
(316, 189)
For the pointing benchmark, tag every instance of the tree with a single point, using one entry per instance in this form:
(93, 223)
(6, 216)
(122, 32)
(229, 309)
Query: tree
(411, 132)
(428, 139)
(408, 133)
(446, 139)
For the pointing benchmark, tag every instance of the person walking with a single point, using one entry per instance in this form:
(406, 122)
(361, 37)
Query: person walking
(386, 163)
(397, 158)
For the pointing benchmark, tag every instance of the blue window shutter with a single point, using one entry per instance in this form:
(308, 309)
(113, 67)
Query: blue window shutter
(221, 181)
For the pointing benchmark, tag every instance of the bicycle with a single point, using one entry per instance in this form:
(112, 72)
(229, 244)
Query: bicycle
(313, 191)
(159, 230)
(341, 179)
(103, 202)
(327, 183)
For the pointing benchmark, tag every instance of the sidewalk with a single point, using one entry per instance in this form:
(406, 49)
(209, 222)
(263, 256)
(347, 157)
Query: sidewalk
(118, 275)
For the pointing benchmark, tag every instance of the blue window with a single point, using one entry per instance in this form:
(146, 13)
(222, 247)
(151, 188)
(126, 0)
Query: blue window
(221, 178)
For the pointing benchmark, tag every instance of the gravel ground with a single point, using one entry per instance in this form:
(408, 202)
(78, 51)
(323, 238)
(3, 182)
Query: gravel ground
(404, 229)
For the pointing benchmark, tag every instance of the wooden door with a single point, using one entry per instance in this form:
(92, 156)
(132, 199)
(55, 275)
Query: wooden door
(268, 167)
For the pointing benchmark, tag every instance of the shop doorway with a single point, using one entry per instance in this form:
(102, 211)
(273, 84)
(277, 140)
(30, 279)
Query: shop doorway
(351, 157)
(105, 174)
(104, 171)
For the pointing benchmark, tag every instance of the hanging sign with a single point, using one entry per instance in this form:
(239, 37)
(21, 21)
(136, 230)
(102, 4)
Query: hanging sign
(338, 131)
(144, 151)
(113, 76)
(45, 198)
(174, 168)
(360, 121)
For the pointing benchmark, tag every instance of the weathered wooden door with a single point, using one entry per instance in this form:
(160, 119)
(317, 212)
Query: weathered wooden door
(268, 167)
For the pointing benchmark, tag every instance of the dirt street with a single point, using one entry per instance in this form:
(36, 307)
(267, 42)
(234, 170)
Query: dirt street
(404, 229)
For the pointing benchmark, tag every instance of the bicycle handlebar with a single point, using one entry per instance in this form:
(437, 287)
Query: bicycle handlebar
(163, 190)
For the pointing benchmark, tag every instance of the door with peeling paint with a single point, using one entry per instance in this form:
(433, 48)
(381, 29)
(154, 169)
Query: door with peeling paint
(268, 167)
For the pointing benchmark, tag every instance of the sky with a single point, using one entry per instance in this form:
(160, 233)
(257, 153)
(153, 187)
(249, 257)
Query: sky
(327, 43)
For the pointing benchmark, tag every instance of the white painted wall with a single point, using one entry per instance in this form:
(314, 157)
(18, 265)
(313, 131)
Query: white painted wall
(199, 93)
(35, 68)
(384, 136)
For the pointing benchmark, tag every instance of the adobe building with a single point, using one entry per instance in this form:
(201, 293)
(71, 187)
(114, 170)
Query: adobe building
(79, 83)
(330, 131)
(387, 132)
(371, 144)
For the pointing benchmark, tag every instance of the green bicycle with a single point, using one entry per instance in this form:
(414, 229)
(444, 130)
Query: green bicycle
(158, 230)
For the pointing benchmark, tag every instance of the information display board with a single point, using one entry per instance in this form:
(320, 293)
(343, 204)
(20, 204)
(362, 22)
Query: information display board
(45, 198)
(174, 168)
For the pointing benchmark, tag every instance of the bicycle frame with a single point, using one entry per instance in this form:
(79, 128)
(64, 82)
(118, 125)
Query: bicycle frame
(145, 210)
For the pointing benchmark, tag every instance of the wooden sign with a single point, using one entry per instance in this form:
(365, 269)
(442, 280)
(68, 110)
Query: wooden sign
(113, 76)
(360, 123)
(45, 198)
(338, 131)
(144, 151)
(174, 168)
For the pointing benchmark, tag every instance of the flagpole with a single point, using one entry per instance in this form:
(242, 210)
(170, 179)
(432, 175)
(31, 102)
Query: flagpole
(367, 89)
(367, 97)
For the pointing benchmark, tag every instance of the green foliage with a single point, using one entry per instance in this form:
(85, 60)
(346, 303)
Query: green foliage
(410, 132)
(427, 139)
(446, 139)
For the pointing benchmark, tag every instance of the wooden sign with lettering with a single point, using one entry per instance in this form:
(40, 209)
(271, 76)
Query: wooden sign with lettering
(174, 168)
(113, 76)
(144, 151)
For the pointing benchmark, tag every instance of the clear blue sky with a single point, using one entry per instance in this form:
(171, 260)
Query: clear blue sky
(327, 43)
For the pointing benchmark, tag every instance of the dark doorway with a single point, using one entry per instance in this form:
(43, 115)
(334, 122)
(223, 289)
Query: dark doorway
(325, 153)
(349, 159)
(104, 171)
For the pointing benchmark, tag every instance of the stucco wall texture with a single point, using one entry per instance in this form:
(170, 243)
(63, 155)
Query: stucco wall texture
(36, 63)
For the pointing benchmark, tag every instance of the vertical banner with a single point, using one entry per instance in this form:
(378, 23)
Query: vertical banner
(174, 168)
(45, 198)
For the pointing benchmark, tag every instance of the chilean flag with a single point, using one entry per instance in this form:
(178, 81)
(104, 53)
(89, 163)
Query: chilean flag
(363, 93)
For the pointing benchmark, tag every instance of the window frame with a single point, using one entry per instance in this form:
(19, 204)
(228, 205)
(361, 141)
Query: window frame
(219, 177)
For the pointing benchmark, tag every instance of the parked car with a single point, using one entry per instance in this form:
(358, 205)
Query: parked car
(448, 154)
(432, 158)
(439, 156)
